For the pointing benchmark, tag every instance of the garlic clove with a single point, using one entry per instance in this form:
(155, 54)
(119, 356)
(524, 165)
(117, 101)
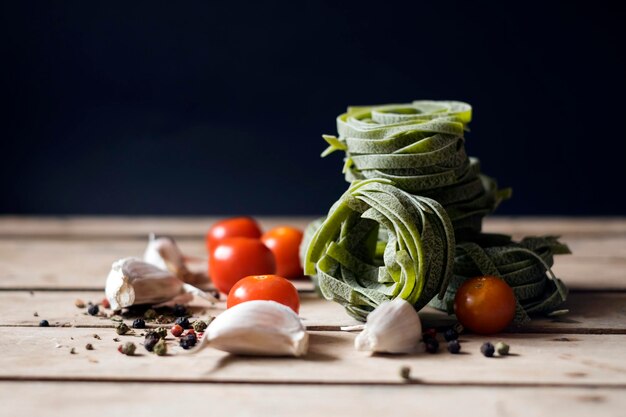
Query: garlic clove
(164, 253)
(393, 327)
(260, 328)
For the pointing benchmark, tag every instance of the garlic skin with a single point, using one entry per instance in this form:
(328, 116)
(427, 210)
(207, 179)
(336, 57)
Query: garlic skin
(133, 281)
(260, 328)
(393, 327)
(163, 253)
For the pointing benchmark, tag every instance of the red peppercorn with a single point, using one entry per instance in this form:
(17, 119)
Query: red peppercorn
(119, 349)
(105, 303)
(191, 331)
(177, 330)
(430, 333)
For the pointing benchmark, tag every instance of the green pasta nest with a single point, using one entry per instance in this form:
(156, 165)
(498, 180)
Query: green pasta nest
(414, 192)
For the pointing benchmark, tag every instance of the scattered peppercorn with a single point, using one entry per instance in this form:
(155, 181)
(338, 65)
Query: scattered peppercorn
(450, 334)
(105, 303)
(162, 332)
(216, 294)
(183, 322)
(502, 348)
(199, 326)
(36, 314)
(122, 328)
(405, 373)
(150, 314)
(164, 319)
(151, 340)
(454, 346)
(139, 324)
(180, 310)
(116, 339)
(176, 330)
(487, 349)
(93, 309)
(160, 348)
(429, 334)
(95, 336)
(127, 348)
(193, 339)
(44, 323)
(89, 346)
(79, 303)
(73, 351)
(432, 345)
(185, 343)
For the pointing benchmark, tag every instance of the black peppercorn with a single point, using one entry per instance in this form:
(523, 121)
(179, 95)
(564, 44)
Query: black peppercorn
(151, 340)
(180, 310)
(185, 343)
(487, 349)
(139, 324)
(44, 323)
(93, 309)
(450, 334)
(183, 322)
(192, 338)
(432, 345)
(454, 346)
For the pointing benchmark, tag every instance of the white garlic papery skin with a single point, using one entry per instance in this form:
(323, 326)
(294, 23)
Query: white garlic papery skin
(393, 327)
(260, 328)
(163, 253)
(132, 281)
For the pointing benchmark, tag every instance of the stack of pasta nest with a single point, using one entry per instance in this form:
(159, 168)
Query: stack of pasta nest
(410, 223)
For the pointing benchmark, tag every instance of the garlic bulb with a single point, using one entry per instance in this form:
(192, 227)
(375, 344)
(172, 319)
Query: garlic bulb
(393, 327)
(132, 281)
(163, 253)
(259, 327)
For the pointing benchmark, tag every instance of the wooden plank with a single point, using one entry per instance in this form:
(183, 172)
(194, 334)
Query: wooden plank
(593, 312)
(115, 226)
(597, 262)
(17, 308)
(584, 360)
(113, 399)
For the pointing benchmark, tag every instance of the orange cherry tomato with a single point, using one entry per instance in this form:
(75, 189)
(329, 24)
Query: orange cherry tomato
(485, 305)
(264, 287)
(234, 227)
(234, 258)
(284, 241)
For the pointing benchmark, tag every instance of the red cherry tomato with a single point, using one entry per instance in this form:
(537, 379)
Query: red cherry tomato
(234, 258)
(485, 305)
(235, 227)
(264, 287)
(284, 242)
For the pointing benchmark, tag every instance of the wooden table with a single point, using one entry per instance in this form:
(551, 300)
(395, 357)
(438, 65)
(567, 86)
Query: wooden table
(573, 365)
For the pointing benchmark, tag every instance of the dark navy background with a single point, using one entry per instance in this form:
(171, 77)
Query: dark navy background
(217, 108)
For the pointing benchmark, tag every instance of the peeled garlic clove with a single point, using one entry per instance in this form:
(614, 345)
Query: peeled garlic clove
(259, 327)
(132, 281)
(393, 327)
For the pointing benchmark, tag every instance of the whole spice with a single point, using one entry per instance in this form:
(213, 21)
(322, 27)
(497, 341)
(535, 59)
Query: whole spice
(502, 348)
(89, 346)
(122, 328)
(180, 310)
(127, 348)
(176, 330)
(161, 331)
(183, 322)
(454, 346)
(185, 343)
(487, 349)
(160, 348)
(44, 323)
(199, 326)
(93, 309)
(139, 324)
(79, 303)
(432, 345)
(105, 303)
(191, 336)
(95, 336)
(405, 373)
(450, 334)
(73, 351)
(150, 314)
(151, 340)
